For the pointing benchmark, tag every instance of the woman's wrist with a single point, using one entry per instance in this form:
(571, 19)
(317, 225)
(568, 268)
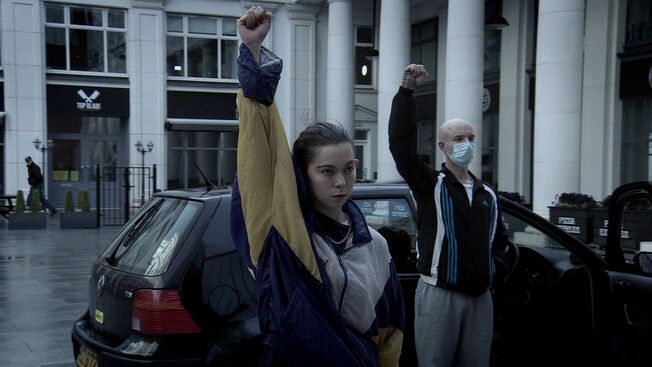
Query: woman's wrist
(255, 51)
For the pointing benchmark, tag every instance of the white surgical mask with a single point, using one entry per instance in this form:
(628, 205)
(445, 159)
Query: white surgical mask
(462, 153)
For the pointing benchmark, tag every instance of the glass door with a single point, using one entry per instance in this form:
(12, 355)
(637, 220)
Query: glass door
(80, 144)
(74, 163)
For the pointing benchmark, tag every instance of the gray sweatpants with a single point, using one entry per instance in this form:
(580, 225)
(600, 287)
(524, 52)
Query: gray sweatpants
(447, 323)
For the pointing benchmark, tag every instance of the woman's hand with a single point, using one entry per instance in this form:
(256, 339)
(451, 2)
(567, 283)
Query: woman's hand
(413, 76)
(253, 27)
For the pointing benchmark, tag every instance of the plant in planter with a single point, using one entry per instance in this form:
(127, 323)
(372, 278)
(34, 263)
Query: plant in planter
(80, 218)
(515, 226)
(636, 228)
(572, 213)
(35, 219)
(20, 202)
(515, 197)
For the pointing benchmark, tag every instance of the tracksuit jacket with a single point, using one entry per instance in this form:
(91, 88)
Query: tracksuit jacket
(456, 240)
(315, 307)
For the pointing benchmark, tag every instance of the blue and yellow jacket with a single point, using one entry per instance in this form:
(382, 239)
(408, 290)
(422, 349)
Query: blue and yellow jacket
(315, 307)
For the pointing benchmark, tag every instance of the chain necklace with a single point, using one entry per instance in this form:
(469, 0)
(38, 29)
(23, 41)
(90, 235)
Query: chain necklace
(343, 240)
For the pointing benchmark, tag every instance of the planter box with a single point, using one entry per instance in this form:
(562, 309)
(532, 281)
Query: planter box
(78, 220)
(28, 220)
(575, 221)
(637, 228)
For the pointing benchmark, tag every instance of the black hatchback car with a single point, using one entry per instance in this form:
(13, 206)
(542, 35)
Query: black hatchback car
(172, 290)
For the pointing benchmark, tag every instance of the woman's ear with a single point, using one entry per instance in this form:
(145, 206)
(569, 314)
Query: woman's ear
(357, 163)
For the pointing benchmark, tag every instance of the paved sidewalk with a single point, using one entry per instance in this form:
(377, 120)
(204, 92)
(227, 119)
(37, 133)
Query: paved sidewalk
(43, 290)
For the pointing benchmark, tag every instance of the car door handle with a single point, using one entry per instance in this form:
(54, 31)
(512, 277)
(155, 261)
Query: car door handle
(623, 284)
(622, 289)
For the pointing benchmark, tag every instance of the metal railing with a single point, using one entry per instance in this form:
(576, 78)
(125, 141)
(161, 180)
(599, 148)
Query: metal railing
(122, 191)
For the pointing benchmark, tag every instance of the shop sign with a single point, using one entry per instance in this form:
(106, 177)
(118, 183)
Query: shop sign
(60, 175)
(76, 100)
(88, 102)
(486, 99)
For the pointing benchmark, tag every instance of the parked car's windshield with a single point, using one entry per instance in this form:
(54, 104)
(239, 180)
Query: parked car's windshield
(148, 243)
(384, 212)
(522, 233)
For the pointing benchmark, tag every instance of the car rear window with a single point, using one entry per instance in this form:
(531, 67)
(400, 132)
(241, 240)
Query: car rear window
(389, 212)
(149, 241)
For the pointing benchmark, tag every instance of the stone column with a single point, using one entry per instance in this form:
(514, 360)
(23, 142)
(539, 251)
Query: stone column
(294, 32)
(558, 101)
(340, 63)
(464, 69)
(394, 56)
(24, 86)
(515, 126)
(147, 75)
(601, 107)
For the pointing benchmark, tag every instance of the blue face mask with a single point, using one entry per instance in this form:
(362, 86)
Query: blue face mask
(462, 154)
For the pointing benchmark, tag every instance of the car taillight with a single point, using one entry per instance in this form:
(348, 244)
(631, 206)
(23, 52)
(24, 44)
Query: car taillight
(159, 311)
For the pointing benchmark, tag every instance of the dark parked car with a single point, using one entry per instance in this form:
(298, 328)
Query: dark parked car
(171, 289)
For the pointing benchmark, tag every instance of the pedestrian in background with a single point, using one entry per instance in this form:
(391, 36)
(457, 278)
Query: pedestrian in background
(35, 180)
(460, 230)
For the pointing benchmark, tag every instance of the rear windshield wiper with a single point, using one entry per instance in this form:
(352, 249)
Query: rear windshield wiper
(111, 260)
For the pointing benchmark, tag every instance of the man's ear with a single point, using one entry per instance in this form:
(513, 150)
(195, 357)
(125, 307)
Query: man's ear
(357, 163)
(441, 144)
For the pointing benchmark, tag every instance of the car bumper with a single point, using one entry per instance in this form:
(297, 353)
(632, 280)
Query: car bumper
(96, 352)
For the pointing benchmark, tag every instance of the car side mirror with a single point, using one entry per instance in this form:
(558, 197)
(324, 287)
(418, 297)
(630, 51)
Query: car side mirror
(643, 260)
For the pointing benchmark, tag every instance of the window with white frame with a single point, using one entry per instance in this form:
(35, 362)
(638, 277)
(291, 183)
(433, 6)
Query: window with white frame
(364, 50)
(202, 47)
(87, 39)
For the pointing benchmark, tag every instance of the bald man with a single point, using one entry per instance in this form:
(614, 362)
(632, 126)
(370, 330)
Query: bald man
(460, 230)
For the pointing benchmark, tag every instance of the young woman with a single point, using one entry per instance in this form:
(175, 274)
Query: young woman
(328, 293)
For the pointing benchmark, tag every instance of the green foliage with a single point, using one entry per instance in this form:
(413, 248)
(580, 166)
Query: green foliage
(575, 200)
(35, 206)
(68, 205)
(20, 202)
(513, 196)
(82, 202)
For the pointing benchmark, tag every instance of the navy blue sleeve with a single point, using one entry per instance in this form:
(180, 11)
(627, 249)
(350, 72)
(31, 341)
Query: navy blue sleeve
(259, 82)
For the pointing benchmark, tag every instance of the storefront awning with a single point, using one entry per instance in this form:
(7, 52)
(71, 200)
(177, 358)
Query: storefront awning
(178, 124)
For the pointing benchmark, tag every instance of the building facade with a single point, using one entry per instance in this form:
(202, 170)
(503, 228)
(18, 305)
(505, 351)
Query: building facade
(560, 97)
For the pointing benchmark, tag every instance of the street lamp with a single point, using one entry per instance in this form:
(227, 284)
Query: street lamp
(142, 149)
(48, 145)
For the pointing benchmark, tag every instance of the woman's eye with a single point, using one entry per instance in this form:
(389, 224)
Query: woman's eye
(326, 171)
(350, 169)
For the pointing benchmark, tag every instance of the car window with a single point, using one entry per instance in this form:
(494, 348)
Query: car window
(523, 234)
(392, 212)
(149, 242)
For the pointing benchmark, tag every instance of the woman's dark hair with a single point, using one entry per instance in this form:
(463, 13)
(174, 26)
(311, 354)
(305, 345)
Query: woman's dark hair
(316, 136)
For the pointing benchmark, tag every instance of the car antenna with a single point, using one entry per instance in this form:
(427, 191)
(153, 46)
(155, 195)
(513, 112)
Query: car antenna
(209, 184)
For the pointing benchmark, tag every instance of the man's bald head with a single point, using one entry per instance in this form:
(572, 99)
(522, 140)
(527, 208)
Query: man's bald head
(453, 128)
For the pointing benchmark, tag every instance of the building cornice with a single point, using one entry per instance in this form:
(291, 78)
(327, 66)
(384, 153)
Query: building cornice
(150, 4)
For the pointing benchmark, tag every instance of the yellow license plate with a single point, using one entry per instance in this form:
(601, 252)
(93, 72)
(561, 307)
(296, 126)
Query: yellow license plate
(86, 358)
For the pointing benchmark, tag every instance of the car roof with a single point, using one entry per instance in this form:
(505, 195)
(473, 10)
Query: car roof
(371, 188)
(360, 188)
(198, 193)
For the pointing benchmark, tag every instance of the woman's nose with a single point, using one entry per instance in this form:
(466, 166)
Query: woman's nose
(339, 180)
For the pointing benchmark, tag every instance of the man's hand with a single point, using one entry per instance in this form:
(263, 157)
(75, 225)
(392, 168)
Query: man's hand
(253, 27)
(413, 76)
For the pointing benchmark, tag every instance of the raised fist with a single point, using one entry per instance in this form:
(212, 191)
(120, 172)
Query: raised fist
(253, 27)
(413, 76)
